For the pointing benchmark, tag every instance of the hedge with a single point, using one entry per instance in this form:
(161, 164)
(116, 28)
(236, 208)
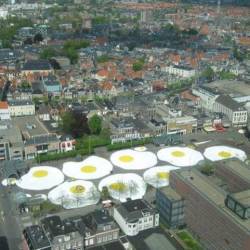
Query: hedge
(64, 155)
(124, 145)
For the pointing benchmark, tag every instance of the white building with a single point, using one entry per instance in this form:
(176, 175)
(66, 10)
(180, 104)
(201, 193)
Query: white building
(182, 71)
(235, 112)
(207, 96)
(4, 111)
(21, 108)
(136, 215)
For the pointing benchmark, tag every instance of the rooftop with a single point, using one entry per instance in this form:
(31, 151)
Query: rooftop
(211, 192)
(170, 193)
(3, 105)
(237, 167)
(243, 197)
(134, 209)
(152, 239)
(37, 237)
(37, 65)
(30, 126)
(235, 88)
(20, 102)
(229, 102)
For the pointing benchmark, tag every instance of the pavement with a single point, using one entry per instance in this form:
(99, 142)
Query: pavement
(10, 224)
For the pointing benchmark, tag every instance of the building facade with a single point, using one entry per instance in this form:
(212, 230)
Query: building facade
(135, 216)
(235, 112)
(21, 108)
(4, 111)
(206, 212)
(170, 206)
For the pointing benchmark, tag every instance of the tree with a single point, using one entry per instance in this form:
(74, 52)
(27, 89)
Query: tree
(208, 73)
(74, 123)
(137, 66)
(95, 124)
(105, 193)
(38, 38)
(48, 53)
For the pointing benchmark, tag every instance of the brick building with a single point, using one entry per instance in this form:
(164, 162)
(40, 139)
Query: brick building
(206, 212)
(234, 173)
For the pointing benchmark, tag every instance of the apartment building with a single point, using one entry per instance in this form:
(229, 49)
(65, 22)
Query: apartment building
(136, 215)
(219, 221)
(235, 112)
(170, 206)
(21, 108)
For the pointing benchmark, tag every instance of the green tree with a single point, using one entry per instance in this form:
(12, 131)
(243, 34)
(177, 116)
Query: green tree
(105, 193)
(95, 124)
(208, 73)
(74, 123)
(70, 49)
(138, 65)
(48, 53)
(68, 122)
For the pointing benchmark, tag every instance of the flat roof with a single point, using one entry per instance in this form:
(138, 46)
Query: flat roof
(237, 167)
(170, 193)
(229, 102)
(30, 126)
(152, 239)
(10, 132)
(37, 237)
(234, 88)
(212, 192)
(243, 197)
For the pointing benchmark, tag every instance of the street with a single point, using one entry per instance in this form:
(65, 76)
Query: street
(9, 221)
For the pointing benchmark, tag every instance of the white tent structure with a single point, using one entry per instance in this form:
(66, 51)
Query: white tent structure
(124, 186)
(129, 159)
(41, 178)
(180, 156)
(74, 194)
(93, 167)
(217, 153)
(158, 176)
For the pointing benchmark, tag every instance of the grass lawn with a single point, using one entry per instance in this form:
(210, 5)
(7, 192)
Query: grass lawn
(190, 242)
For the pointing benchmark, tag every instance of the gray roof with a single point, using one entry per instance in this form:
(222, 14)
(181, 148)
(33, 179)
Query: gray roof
(19, 102)
(37, 65)
(228, 102)
(36, 237)
(133, 210)
(42, 140)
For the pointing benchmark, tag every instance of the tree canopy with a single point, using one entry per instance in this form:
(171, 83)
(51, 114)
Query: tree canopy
(95, 124)
(75, 124)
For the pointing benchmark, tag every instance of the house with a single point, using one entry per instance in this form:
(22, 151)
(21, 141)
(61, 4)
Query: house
(35, 238)
(63, 234)
(67, 143)
(40, 67)
(37, 139)
(43, 113)
(4, 111)
(100, 228)
(42, 144)
(182, 71)
(134, 216)
(51, 85)
(11, 143)
(207, 96)
(21, 108)
(170, 206)
(182, 125)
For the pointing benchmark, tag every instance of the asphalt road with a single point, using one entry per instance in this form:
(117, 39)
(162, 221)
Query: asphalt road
(9, 221)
